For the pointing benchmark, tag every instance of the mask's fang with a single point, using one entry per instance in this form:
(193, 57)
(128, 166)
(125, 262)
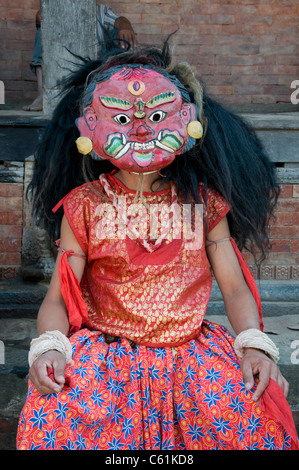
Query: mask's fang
(163, 147)
(123, 151)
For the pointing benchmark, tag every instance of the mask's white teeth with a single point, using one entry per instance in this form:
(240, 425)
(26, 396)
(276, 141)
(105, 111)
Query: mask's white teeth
(160, 135)
(124, 140)
(143, 145)
(164, 147)
(123, 151)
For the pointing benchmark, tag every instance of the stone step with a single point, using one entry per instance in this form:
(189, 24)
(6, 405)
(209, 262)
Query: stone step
(18, 298)
(270, 291)
(270, 309)
(278, 298)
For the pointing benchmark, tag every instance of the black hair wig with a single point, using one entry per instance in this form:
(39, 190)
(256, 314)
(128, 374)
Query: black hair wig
(229, 157)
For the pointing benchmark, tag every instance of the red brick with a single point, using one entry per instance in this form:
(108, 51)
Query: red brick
(11, 204)
(10, 245)
(249, 89)
(160, 19)
(28, 35)
(286, 191)
(31, 4)
(278, 246)
(286, 218)
(282, 258)
(8, 34)
(288, 205)
(30, 14)
(10, 231)
(279, 69)
(263, 99)
(294, 244)
(285, 232)
(19, 46)
(223, 90)
(20, 24)
(195, 19)
(223, 19)
(11, 218)
(15, 56)
(10, 259)
(8, 75)
(11, 13)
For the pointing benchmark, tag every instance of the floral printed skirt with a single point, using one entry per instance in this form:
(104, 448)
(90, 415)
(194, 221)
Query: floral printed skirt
(122, 397)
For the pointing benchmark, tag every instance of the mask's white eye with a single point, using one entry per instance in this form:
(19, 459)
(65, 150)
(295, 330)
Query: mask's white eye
(157, 116)
(122, 119)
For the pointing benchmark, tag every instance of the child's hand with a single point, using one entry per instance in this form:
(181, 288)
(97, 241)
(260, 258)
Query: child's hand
(255, 362)
(39, 372)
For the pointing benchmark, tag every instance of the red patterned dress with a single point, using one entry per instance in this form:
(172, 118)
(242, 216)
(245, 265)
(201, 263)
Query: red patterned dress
(171, 379)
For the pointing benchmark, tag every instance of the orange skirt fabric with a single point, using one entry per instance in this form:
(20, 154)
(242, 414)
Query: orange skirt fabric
(124, 397)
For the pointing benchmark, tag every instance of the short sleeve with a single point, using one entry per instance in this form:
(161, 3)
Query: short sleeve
(76, 206)
(215, 207)
(108, 16)
(105, 19)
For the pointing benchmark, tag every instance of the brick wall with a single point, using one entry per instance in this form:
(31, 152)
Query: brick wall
(282, 262)
(245, 50)
(11, 225)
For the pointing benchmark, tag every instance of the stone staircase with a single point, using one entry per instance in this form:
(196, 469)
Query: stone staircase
(19, 304)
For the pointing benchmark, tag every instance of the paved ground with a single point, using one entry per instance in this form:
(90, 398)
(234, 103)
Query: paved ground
(19, 304)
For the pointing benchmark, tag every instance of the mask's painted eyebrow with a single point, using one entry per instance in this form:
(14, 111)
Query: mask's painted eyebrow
(160, 99)
(111, 102)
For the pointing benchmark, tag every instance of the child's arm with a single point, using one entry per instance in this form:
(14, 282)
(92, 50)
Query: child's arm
(240, 307)
(53, 316)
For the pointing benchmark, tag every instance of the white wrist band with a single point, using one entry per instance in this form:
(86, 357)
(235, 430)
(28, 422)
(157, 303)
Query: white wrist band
(48, 341)
(253, 338)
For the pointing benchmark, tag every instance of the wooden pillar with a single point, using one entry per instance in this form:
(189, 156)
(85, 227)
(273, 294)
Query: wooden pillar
(67, 25)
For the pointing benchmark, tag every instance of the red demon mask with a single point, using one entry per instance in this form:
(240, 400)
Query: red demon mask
(137, 120)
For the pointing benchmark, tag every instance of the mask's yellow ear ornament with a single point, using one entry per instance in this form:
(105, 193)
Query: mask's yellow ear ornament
(84, 145)
(195, 129)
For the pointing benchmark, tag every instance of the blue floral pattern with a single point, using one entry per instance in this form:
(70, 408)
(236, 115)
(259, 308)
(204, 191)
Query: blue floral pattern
(119, 397)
